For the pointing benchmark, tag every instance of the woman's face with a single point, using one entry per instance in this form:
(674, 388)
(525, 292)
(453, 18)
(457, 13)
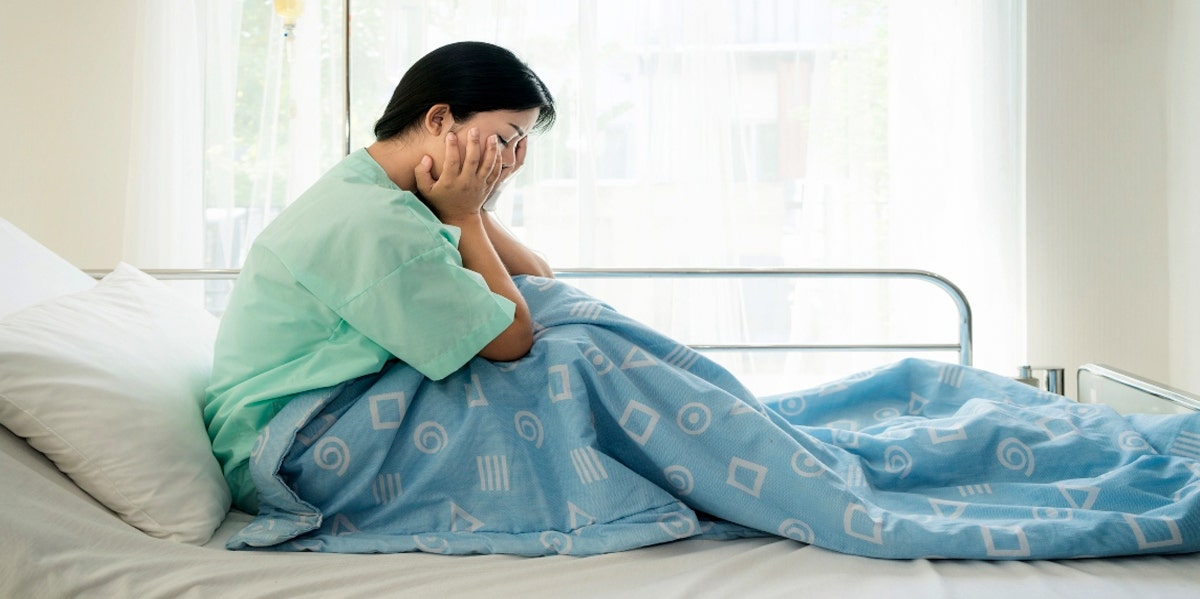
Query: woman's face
(508, 126)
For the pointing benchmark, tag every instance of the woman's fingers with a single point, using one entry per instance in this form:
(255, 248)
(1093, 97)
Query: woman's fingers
(489, 167)
(453, 163)
(471, 162)
(468, 176)
(423, 174)
(481, 160)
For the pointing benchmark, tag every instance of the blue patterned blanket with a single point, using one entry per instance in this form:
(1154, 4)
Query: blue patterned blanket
(610, 436)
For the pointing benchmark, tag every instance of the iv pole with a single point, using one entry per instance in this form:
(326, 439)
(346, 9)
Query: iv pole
(346, 67)
(289, 11)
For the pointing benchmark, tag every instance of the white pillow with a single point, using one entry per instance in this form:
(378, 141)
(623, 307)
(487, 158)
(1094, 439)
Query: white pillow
(109, 384)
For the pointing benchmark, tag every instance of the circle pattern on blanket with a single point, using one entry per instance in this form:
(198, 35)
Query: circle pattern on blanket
(541, 283)
(431, 544)
(680, 478)
(557, 541)
(430, 437)
(797, 531)
(807, 467)
(677, 525)
(1052, 513)
(694, 418)
(792, 406)
(598, 360)
(885, 414)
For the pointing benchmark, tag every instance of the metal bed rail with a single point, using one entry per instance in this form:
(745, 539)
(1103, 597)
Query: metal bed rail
(964, 335)
(1137, 384)
(963, 345)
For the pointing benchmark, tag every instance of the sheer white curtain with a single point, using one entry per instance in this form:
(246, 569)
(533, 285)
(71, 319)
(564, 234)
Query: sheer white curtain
(799, 133)
(164, 206)
(273, 116)
(231, 122)
(804, 133)
(956, 127)
(769, 133)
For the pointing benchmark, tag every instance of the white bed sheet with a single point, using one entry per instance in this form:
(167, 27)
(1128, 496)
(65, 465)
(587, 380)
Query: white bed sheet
(58, 542)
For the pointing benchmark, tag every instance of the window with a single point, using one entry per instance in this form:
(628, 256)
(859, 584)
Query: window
(761, 133)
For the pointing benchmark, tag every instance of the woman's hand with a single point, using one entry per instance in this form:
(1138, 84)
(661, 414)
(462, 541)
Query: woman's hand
(465, 181)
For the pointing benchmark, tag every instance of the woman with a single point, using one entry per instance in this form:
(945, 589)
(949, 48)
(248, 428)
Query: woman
(389, 255)
(608, 435)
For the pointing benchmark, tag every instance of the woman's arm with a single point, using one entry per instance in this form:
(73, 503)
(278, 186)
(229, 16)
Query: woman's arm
(480, 254)
(456, 197)
(516, 256)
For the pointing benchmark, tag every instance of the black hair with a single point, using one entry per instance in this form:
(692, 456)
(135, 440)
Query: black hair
(470, 77)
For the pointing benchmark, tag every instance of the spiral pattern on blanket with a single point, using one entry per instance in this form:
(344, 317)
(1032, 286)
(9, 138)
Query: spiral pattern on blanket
(1015, 455)
(898, 461)
(529, 427)
(331, 453)
(680, 478)
(430, 437)
(1132, 441)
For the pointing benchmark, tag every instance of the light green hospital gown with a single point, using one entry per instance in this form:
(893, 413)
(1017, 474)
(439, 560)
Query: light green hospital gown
(355, 272)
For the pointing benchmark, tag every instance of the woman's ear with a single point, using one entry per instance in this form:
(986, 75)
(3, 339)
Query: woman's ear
(438, 119)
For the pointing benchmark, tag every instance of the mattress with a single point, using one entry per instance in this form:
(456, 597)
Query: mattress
(59, 542)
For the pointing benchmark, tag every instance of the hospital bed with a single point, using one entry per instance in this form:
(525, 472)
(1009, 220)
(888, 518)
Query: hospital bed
(60, 540)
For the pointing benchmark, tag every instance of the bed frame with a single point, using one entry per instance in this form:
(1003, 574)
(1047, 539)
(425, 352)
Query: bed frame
(87, 551)
(1097, 383)
(962, 343)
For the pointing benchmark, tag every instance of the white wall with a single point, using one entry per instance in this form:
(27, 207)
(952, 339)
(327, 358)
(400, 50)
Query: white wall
(1113, 189)
(65, 121)
(1098, 174)
(1183, 194)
